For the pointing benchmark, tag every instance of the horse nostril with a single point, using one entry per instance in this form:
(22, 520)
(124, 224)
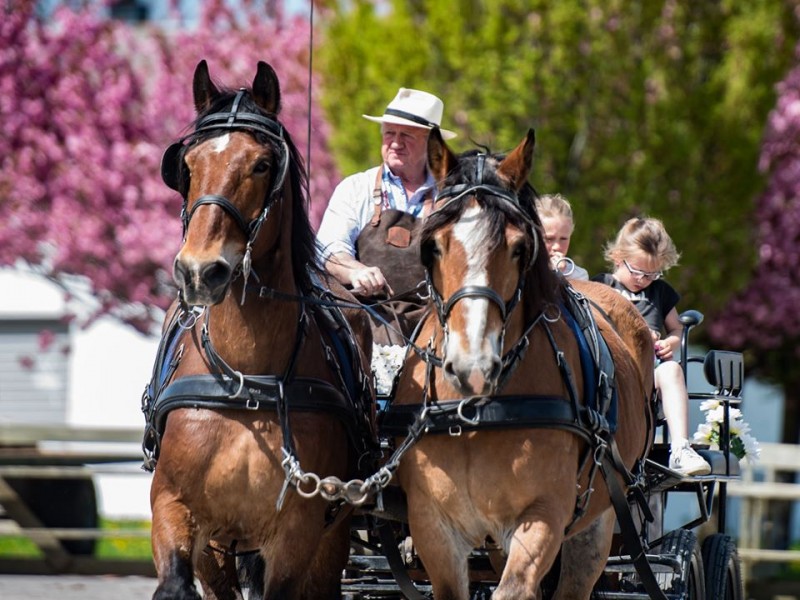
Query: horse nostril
(494, 370)
(449, 369)
(179, 273)
(215, 275)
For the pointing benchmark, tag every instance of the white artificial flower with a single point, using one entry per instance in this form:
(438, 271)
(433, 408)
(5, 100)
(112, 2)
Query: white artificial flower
(707, 405)
(743, 445)
(386, 364)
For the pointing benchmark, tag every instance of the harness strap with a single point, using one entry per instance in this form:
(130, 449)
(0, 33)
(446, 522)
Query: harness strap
(392, 554)
(628, 530)
(495, 412)
(227, 206)
(261, 392)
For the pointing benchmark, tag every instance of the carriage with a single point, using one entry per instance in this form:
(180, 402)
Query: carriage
(684, 566)
(519, 429)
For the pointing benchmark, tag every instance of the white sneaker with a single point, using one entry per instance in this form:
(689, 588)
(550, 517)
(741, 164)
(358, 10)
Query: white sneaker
(687, 462)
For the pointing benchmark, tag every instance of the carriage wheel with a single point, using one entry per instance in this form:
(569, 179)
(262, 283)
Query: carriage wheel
(723, 571)
(689, 583)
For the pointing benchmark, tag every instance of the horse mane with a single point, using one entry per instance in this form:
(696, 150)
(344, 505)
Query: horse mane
(305, 266)
(542, 285)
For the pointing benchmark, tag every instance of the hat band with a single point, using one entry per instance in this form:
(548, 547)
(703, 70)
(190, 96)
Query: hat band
(411, 117)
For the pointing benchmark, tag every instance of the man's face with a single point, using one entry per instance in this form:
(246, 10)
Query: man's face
(404, 149)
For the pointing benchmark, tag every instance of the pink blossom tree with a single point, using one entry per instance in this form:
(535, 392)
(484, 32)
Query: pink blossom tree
(88, 105)
(763, 319)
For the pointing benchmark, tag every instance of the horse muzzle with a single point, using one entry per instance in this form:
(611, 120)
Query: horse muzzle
(203, 283)
(472, 377)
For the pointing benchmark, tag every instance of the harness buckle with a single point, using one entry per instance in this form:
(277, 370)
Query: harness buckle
(454, 431)
(252, 404)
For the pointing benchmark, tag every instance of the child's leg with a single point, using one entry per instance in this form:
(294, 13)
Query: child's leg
(675, 399)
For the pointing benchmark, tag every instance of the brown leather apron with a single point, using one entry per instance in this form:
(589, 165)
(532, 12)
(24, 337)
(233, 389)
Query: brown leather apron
(391, 242)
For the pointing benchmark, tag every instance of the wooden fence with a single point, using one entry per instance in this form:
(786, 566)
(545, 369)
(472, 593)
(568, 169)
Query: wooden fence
(58, 452)
(758, 487)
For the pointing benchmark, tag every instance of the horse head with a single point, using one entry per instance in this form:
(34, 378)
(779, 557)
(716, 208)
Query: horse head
(485, 259)
(231, 171)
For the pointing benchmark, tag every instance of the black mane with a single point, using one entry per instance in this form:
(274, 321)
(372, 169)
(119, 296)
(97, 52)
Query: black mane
(303, 238)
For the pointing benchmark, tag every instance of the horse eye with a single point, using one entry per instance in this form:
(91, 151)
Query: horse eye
(261, 167)
(518, 250)
(429, 252)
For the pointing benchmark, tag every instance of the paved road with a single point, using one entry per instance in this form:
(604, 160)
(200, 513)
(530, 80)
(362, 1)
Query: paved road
(75, 587)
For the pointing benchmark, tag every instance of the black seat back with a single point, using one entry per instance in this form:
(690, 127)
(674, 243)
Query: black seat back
(725, 371)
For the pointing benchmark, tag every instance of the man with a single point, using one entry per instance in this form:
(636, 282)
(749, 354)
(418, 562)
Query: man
(369, 233)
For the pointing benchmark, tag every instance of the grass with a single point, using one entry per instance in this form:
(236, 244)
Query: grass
(124, 547)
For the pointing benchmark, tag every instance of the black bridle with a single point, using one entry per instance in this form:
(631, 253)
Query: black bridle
(175, 175)
(454, 193)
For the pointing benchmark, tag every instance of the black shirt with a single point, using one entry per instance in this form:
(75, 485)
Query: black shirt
(654, 302)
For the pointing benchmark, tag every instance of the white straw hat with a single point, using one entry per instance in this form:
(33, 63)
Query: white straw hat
(414, 108)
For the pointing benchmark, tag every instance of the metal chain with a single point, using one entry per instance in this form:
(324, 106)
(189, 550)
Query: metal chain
(355, 491)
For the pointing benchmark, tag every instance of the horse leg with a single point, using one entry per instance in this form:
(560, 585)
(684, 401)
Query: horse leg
(252, 569)
(323, 579)
(583, 558)
(173, 542)
(532, 551)
(444, 553)
(291, 555)
(218, 576)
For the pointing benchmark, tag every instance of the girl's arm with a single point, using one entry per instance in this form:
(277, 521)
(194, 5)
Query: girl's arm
(666, 348)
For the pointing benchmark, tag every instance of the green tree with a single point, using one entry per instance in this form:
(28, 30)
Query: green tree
(640, 108)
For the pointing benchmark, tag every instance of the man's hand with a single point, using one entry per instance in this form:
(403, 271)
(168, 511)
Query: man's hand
(363, 280)
(368, 281)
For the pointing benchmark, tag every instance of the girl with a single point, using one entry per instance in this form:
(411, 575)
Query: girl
(639, 256)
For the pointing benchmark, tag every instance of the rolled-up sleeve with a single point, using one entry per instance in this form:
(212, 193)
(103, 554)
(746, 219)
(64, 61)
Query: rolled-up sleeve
(344, 217)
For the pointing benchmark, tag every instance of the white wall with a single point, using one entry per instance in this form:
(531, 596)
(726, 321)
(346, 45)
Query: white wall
(109, 365)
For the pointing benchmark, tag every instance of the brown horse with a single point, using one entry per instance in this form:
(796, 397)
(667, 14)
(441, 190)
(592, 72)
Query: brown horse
(499, 367)
(262, 392)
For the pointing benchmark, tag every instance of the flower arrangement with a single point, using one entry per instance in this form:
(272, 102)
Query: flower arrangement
(386, 363)
(743, 445)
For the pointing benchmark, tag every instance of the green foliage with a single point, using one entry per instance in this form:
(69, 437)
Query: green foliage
(640, 108)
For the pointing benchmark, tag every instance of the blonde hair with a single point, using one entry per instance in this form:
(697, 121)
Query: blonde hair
(554, 205)
(643, 235)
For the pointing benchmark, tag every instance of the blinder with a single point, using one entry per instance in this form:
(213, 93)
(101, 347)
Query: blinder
(173, 169)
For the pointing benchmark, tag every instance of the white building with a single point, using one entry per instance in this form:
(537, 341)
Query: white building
(53, 373)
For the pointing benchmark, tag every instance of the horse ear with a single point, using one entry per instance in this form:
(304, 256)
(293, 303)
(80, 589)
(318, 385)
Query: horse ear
(204, 90)
(266, 89)
(440, 159)
(517, 165)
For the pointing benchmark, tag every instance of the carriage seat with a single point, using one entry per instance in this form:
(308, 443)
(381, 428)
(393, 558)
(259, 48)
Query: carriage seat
(724, 371)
